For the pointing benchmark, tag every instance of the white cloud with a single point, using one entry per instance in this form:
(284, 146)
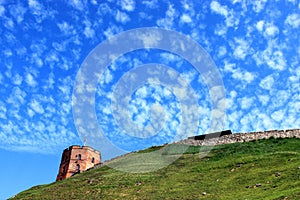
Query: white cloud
(17, 97)
(8, 127)
(168, 57)
(246, 102)
(217, 8)
(2, 10)
(66, 28)
(150, 39)
(233, 94)
(37, 10)
(230, 103)
(267, 82)
(271, 30)
(50, 81)
(281, 98)
(145, 16)
(264, 99)
(231, 18)
(89, 32)
(30, 112)
(8, 52)
(233, 119)
(293, 20)
(241, 48)
(260, 25)
(229, 67)
(168, 20)
(222, 51)
(34, 4)
(265, 121)
(36, 106)
(278, 115)
(258, 5)
(8, 23)
(108, 76)
(78, 4)
(294, 78)
(36, 60)
(39, 127)
(65, 87)
(151, 3)
(189, 76)
(94, 2)
(21, 50)
(221, 30)
(122, 17)
(52, 57)
(239, 73)
(3, 110)
(251, 121)
(66, 108)
(112, 30)
(185, 18)
(128, 5)
(243, 76)
(38, 47)
(292, 1)
(277, 61)
(272, 56)
(8, 73)
(18, 12)
(30, 80)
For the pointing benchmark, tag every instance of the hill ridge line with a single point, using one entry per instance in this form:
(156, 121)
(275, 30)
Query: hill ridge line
(227, 139)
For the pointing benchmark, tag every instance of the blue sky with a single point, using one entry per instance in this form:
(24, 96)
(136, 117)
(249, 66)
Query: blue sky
(255, 46)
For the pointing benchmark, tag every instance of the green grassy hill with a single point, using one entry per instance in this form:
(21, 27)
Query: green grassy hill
(263, 169)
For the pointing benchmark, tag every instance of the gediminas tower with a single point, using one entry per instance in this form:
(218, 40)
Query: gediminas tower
(76, 159)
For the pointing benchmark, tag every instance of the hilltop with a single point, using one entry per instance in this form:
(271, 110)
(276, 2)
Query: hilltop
(259, 169)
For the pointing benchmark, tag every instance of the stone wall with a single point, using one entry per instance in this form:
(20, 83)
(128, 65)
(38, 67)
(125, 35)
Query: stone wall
(243, 137)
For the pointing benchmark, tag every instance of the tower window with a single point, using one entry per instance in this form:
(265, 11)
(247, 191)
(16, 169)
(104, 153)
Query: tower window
(93, 159)
(77, 167)
(79, 156)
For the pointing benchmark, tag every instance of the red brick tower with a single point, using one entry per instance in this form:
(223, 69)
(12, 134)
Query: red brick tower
(76, 159)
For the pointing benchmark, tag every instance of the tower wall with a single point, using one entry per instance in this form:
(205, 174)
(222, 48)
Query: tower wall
(76, 159)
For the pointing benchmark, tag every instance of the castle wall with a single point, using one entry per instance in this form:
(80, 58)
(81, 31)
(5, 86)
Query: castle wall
(70, 155)
(243, 137)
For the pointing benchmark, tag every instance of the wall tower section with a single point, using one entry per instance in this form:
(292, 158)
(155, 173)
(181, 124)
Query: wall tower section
(76, 159)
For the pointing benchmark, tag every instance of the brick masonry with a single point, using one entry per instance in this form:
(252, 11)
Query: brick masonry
(76, 159)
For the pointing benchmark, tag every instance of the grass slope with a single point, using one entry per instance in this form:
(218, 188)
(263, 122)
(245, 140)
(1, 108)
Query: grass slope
(263, 169)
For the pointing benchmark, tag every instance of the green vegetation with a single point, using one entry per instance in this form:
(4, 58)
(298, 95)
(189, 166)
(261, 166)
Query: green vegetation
(263, 169)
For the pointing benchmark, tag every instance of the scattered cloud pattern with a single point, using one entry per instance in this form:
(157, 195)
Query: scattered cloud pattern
(254, 44)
